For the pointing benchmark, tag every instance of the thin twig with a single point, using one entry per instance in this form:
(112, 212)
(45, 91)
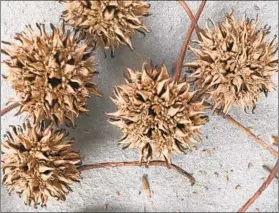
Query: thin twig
(269, 170)
(173, 69)
(244, 129)
(138, 163)
(191, 16)
(9, 108)
(247, 131)
(261, 189)
(186, 42)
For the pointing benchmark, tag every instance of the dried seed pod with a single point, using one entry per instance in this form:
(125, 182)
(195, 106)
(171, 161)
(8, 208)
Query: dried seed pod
(156, 114)
(52, 74)
(235, 63)
(108, 23)
(38, 164)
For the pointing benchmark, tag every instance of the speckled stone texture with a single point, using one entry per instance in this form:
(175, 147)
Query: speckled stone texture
(220, 163)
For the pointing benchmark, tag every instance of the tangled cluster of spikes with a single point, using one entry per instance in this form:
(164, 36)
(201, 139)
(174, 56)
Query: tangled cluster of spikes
(37, 163)
(108, 23)
(156, 114)
(235, 63)
(52, 74)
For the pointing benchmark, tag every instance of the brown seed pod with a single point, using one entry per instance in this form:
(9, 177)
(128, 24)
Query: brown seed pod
(38, 164)
(52, 74)
(108, 23)
(235, 63)
(156, 114)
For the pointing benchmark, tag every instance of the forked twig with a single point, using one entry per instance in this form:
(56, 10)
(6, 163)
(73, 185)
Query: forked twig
(266, 168)
(261, 189)
(186, 42)
(9, 108)
(191, 16)
(138, 163)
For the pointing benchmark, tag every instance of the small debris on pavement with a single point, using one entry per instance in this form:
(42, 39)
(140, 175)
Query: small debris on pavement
(238, 187)
(250, 165)
(145, 186)
(274, 140)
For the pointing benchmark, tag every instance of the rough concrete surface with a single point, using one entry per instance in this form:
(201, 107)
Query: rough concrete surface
(231, 151)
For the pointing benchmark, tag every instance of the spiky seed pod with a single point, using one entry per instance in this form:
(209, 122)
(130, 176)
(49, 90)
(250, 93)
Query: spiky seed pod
(235, 63)
(38, 164)
(156, 114)
(52, 74)
(109, 23)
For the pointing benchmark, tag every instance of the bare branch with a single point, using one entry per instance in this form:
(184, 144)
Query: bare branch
(9, 108)
(247, 132)
(261, 189)
(191, 16)
(266, 168)
(186, 42)
(138, 163)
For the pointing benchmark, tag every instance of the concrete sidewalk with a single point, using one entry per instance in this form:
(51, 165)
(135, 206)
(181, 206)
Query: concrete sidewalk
(219, 165)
